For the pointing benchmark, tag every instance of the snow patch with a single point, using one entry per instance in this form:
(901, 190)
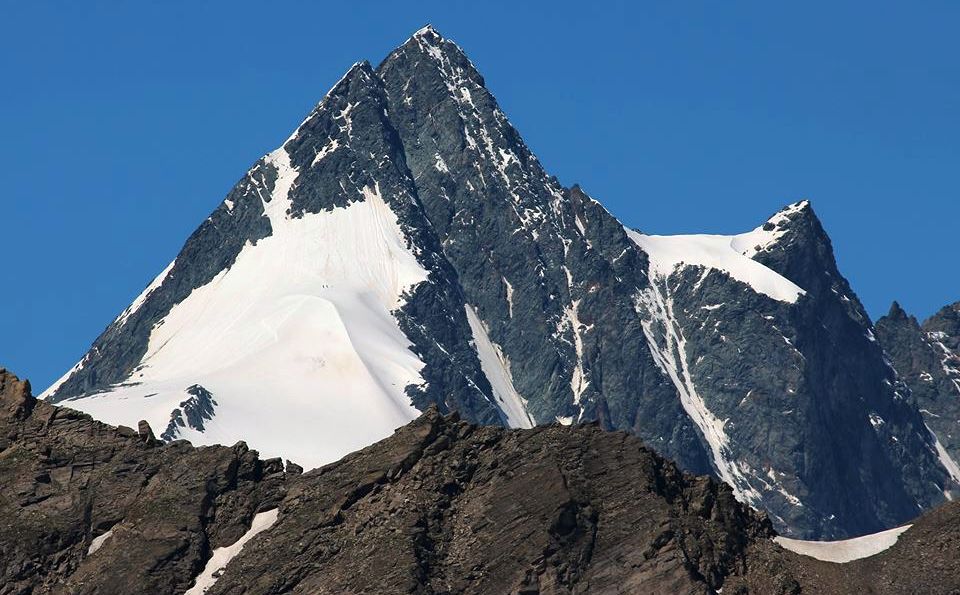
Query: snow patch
(945, 459)
(496, 367)
(509, 289)
(762, 238)
(222, 555)
(330, 147)
(668, 253)
(98, 542)
(846, 550)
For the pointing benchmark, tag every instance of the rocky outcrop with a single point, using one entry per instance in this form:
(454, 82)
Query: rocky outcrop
(192, 413)
(921, 562)
(445, 506)
(440, 506)
(87, 508)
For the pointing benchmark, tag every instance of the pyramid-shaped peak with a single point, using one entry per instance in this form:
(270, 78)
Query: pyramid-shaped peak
(429, 40)
(792, 209)
(896, 312)
(427, 32)
(789, 215)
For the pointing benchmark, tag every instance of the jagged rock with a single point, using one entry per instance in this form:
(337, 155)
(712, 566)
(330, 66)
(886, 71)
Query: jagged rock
(146, 432)
(15, 394)
(192, 413)
(927, 358)
(68, 480)
(440, 506)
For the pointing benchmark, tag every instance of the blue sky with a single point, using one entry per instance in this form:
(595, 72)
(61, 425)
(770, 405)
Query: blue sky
(124, 124)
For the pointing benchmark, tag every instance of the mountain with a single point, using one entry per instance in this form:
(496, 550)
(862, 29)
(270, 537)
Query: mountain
(439, 506)
(927, 357)
(404, 248)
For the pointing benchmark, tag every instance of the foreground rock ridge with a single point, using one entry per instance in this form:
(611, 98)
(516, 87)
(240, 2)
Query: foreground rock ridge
(439, 506)
(405, 249)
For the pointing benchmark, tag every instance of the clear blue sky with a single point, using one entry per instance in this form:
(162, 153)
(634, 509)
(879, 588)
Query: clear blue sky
(123, 126)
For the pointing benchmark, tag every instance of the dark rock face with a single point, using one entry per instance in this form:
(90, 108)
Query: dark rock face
(792, 404)
(549, 271)
(818, 425)
(192, 413)
(927, 359)
(443, 506)
(440, 506)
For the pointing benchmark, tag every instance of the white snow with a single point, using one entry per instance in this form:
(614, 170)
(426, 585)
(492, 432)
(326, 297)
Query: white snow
(509, 289)
(97, 542)
(330, 147)
(846, 550)
(945, 459)
(723, 253)
(753, 242)
(222, 555)
(496, 367)
(439, 164)
(296, 340)
(578, 379)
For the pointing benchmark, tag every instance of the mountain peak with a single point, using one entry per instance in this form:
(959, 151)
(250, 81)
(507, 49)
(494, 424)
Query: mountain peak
(429, 41)
(787, 214)
(896, 312)
(427, 32)
(774, 230)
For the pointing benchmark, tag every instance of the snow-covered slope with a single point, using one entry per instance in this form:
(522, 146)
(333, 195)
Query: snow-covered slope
(296, 340)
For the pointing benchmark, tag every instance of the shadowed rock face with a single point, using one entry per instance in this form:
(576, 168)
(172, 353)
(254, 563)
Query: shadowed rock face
(440, 506)
(927, 358)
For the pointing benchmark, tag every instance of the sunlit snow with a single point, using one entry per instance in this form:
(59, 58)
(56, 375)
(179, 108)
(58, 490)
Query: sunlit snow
(296, 340)
(846, 550)
(714, 252)
(98, 542)
(222, 555)
(496, 368)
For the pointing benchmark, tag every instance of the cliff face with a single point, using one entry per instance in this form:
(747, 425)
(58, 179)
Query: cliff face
(927, 359)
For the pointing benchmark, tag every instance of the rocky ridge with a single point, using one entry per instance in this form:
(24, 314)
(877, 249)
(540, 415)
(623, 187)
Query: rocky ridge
(440, 506)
